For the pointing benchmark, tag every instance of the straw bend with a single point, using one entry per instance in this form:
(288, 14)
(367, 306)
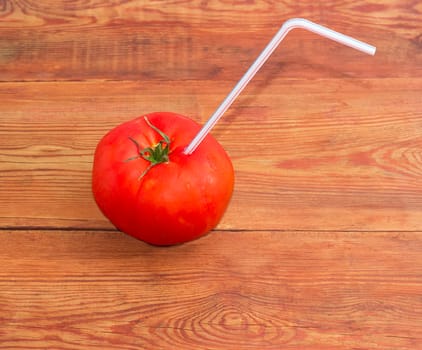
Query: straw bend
(262, 58)
(294, 23)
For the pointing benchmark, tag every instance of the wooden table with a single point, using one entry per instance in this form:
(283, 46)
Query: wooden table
(321, 247)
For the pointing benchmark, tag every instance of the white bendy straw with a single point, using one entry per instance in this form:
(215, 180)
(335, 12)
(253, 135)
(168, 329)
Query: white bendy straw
(265, 54)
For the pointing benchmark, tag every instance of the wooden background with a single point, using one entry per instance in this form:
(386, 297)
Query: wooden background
(321, 247)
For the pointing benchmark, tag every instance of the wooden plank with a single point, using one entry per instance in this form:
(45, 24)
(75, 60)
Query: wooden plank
(255, 290)
(336, 154)
(324, 139)
(196, 40)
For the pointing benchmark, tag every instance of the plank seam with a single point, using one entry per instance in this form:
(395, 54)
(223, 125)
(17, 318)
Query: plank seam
(99, 229)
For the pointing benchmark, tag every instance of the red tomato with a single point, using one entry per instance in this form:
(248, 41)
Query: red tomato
(160, 198)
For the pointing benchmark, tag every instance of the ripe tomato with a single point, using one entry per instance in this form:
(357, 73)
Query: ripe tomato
(148, 188)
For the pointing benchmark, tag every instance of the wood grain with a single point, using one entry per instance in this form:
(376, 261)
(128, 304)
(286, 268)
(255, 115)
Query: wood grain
(199, 40)
(321, 247)
(256, 290)
(332, 159)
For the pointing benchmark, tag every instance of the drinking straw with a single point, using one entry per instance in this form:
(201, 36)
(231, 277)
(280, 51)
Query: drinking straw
(265, 54)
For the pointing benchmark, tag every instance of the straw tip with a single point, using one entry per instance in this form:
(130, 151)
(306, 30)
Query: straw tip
(373, 51)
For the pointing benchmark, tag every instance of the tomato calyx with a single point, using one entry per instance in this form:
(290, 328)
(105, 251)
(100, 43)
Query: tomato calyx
(156, 154)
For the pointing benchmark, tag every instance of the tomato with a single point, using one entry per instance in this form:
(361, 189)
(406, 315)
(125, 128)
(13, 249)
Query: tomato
(148, 188)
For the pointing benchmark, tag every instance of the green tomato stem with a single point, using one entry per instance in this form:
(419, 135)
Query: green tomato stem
(155, 154)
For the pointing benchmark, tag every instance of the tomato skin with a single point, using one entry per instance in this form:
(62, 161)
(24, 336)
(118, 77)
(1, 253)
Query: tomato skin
(173, 202)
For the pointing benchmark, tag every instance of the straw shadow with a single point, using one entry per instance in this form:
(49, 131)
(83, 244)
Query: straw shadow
(249, 95)
(268, 75)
